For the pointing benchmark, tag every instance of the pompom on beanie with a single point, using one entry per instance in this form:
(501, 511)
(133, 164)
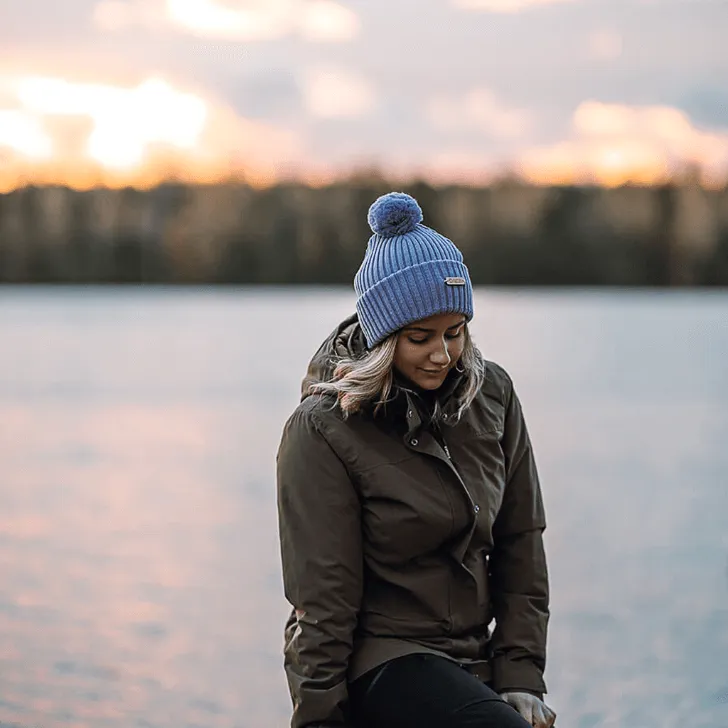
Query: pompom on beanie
(409, 271)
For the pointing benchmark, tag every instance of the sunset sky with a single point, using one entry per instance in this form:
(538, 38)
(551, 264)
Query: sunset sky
(130, 91)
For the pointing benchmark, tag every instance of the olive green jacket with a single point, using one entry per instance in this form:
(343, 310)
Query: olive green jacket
(401, 535)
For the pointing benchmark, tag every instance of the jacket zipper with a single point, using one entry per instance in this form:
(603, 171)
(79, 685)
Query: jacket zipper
(473, 505)
(454, 467)
(440, 438)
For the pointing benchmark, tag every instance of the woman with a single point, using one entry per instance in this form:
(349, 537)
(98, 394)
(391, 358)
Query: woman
(410, 512)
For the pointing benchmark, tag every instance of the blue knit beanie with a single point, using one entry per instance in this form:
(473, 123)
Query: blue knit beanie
(409, 271)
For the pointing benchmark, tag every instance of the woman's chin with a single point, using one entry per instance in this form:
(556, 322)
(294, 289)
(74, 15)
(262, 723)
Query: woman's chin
(429, 381)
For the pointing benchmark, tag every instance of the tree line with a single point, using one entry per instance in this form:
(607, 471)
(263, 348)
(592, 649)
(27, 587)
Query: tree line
(510, 233)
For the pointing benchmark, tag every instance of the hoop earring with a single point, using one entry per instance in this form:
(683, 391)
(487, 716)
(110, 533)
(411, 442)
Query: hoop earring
(459, 369)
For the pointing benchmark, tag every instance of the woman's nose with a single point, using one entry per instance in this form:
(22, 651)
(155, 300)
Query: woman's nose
(440, 355)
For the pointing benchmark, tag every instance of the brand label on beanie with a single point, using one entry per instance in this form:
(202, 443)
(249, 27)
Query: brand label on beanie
(456, 281)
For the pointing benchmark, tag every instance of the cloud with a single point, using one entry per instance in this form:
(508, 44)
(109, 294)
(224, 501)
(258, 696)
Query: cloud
(333, 93)
(125, 120)
(605, 45)
(504, 6)
(479, 110)
(119, 15)
(22, 132)
(67, 129)
(325, 20)
(612, 144)
(245, 20)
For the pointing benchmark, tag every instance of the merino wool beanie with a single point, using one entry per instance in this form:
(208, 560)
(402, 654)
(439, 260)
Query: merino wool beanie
(409, 271)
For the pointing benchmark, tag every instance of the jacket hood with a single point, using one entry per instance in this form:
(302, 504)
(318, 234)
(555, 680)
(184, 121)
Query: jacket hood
(346, 340)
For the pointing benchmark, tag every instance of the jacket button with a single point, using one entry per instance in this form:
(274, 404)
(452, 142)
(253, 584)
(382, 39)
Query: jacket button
(476, 508)
(409, 414)
(444, 417)
(414, 442)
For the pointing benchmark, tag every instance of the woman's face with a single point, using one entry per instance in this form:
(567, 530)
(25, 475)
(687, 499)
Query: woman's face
(428, 349)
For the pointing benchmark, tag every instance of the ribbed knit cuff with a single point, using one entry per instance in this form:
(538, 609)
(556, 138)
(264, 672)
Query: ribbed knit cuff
(411, 294)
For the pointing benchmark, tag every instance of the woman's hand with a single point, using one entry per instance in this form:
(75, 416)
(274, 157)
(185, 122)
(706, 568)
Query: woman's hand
(535, 711)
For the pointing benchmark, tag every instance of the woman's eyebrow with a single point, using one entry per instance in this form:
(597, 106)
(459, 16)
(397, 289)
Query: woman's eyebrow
(429, 331)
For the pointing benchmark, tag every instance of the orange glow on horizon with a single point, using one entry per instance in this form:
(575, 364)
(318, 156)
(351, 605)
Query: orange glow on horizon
(90, 134)
(614, 144)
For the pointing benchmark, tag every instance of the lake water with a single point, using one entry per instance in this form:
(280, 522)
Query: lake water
(139, 575)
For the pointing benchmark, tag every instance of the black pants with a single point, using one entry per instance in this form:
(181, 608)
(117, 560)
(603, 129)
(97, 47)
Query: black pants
(427, 691)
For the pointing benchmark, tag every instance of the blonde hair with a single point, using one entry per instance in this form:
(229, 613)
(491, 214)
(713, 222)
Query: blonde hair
(369, 379)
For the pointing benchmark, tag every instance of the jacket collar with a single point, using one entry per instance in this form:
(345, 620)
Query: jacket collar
(415, 406)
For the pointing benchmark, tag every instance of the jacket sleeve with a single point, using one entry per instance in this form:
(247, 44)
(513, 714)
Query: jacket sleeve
(320, 537)
(518, 573)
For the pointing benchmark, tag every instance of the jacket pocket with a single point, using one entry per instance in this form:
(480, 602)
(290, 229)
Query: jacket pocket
(408, 602)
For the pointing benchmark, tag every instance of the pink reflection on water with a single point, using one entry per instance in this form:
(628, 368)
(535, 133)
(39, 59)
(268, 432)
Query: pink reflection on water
(130, 551)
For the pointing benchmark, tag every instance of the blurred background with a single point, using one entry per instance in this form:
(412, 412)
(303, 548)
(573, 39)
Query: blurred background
(575, 150)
